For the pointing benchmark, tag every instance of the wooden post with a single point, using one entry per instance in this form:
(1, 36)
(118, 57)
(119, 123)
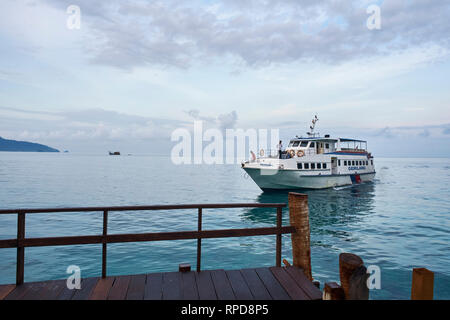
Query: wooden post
(358, 289)
(20, 265)
(286, 263)
(301, 242)
(317, 284)
(184, 267)
(278, 245)
(104, 248)
(199, 241)
(422, 284)
(348, 264)
(333, 291)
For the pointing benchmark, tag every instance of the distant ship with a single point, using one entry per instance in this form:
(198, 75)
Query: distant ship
(116, 153)
(312, 162)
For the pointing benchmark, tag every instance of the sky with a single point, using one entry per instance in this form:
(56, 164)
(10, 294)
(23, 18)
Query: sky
(137, 70)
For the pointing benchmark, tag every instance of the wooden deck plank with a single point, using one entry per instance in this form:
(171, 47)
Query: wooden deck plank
(136, 288)
(171, 288)
(205, 285)
(189, 286)
(119, 288)
(240, 288)
(222, 285)
(5, 290)
(18, 292)
(153, 287)
(262, 284)
(66, 293)
(255, 285)
(102, 288)
(291, 287)
(35, 290)
(276, 291)
(53, 289)
(307, 286)
(87, 286)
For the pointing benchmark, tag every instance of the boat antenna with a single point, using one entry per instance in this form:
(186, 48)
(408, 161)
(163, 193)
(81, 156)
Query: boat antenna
(311, 133)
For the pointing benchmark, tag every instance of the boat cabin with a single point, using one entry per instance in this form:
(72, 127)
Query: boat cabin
(312, 145)
(319, 145)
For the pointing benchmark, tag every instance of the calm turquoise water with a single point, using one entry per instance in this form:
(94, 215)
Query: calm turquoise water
(398, 222)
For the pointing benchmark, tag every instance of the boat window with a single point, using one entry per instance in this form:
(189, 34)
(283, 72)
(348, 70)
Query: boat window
(367, 163)
(319, 166)
(306, 165)
(290, 144)
(327, 146)
(345, 162)
(312, 145)
(324, 165)
(304, 144)
(371, 161)
(360, 163)
(296, 143)
(299, 165)
(353, 162)
(313, 165)
(339, 163)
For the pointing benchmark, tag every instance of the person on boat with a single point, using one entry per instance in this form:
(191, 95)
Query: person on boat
(280, 148)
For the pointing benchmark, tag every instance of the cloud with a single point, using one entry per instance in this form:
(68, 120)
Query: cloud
(85, 125)
(222, 121)
(424, 132)
(254, 33)
(385, 132)
(228, 120)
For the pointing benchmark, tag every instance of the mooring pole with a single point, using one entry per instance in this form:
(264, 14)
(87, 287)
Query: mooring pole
(422, 284)
(353, 276)
(301, 241)
(333, 291)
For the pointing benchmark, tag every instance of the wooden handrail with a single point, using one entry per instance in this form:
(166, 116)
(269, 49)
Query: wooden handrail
(148, 208)
(21, 242)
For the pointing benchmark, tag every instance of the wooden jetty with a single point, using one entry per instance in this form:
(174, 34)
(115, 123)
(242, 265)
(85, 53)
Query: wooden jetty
(276, 283)
(292, 282)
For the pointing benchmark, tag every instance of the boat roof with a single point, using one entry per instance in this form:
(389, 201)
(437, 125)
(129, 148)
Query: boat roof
(351, 140)
(314, 138)
(326, 139)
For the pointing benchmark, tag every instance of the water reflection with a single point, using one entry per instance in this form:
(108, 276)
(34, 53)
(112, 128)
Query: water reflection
(329, 208)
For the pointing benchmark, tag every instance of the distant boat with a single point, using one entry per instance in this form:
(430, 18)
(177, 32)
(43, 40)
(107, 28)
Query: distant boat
(116, 153)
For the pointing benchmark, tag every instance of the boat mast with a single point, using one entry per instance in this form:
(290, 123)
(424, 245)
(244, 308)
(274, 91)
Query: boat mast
(311, 134)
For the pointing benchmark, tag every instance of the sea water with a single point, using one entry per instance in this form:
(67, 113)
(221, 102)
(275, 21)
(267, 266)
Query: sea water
(398, 222)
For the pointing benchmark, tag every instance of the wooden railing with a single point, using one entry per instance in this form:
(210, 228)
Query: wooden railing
(21, 242)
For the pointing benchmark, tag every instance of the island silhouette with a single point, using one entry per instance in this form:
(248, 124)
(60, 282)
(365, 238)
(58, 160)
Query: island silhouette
(23, 146)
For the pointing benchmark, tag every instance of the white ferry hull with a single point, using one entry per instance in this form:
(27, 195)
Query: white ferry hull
(272, 179)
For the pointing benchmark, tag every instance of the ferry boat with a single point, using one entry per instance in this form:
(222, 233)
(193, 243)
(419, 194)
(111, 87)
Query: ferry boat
(312, 162)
